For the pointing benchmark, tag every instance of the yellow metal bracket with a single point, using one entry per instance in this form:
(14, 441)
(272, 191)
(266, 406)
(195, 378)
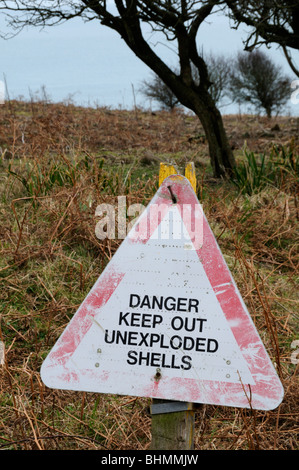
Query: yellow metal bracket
(190, 174)
(168, 170)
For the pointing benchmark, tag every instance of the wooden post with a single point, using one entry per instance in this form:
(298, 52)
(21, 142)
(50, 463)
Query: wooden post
(173, 421)
(172, 425)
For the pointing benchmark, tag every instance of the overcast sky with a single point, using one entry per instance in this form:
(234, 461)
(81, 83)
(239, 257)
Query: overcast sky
(91, 64)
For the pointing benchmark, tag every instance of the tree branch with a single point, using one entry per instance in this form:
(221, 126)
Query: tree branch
(290, 61)
(272, 21)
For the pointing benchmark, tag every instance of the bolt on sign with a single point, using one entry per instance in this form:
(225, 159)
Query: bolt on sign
(165, 319)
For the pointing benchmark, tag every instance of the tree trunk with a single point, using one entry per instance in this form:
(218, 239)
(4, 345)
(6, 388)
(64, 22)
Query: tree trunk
(196, 98)
(221, 154)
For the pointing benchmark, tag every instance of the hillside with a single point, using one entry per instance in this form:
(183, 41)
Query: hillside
(58, 163)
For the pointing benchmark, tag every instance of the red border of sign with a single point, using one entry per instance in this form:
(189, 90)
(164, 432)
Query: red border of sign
(267, 393)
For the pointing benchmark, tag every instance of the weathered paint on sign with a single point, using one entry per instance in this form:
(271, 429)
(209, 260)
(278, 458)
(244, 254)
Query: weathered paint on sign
(165, 319)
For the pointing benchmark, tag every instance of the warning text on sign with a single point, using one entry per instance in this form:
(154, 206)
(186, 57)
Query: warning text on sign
(150, 343)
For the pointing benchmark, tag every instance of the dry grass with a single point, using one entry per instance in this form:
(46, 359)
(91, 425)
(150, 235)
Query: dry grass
(58, 163)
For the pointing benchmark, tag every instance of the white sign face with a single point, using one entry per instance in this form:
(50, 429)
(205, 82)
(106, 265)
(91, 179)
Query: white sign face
(165, 320)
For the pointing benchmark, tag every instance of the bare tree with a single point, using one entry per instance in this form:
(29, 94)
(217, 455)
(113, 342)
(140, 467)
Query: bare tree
(179, 20)
(219, 69)
(155, 89)
(256, 80)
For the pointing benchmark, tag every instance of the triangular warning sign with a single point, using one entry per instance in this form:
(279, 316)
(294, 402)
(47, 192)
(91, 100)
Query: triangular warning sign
(165, 318)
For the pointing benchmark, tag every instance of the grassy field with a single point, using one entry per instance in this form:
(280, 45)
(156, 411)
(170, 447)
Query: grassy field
(58, 162)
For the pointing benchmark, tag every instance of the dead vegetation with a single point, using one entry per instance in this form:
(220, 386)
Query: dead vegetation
(58, 162)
